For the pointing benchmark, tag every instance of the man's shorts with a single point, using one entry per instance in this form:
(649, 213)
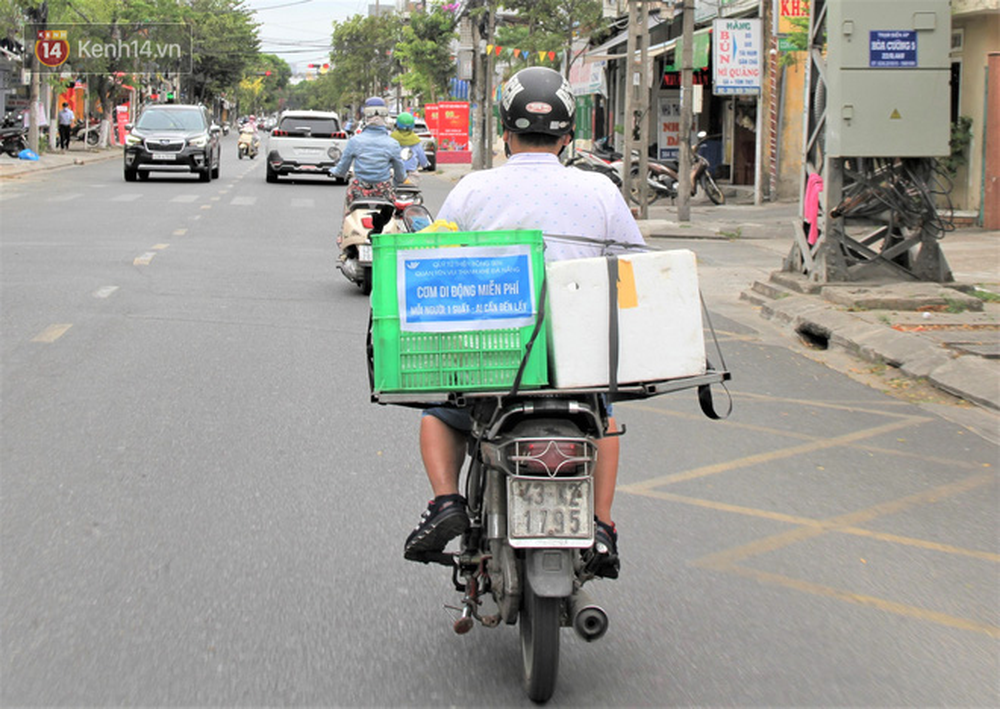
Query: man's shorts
(460, 420)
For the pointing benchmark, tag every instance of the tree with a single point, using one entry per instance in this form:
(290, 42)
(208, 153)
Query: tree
(546, 25)
(425, 53)
(224, 44)
(362, 49)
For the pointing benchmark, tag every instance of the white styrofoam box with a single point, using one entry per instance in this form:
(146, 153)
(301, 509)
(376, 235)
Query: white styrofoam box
(659, 319)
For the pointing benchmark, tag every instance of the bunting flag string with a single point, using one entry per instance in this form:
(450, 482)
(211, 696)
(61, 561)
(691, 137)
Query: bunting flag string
(516, 53)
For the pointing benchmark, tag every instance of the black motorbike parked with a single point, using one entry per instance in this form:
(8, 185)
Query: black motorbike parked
(13, 136)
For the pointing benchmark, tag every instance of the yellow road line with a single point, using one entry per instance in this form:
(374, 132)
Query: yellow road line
(725, 559)
(144, 260)
(871, 601)
(810, 522)
(51, 333)
(767, 456)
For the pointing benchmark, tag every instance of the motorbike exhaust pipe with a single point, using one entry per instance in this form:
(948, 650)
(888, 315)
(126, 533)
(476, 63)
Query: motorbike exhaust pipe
(589, 620)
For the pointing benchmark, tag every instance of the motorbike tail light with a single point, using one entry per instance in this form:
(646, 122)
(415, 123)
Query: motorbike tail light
(552, 457)
(367, 222)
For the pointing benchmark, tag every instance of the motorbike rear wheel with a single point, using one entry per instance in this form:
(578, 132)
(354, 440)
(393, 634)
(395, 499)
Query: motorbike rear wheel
(634, 191)
(539, 623)
(713, 191)
(366, 280)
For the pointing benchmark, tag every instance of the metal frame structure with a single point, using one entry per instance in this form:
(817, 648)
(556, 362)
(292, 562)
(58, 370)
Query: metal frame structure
(885, 243)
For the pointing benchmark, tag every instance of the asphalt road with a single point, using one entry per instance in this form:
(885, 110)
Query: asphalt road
(198, 505)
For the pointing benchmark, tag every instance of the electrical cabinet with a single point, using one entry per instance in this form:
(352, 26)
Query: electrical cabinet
(888, 78)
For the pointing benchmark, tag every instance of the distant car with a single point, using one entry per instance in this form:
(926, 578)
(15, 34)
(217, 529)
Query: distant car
(173, 138)
(426, 141)
(305, 142)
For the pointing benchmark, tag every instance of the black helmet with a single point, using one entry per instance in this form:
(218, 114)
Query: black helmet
(538, 100)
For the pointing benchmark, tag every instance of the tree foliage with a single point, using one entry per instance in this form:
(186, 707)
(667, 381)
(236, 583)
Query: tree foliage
(549, 25)
(362, 57)
(425, 53)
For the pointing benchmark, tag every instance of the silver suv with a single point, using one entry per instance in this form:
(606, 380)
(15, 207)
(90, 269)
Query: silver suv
(306, 142)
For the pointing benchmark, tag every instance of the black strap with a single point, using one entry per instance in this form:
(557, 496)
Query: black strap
(534, 335)
(612, 323)
(708, 404)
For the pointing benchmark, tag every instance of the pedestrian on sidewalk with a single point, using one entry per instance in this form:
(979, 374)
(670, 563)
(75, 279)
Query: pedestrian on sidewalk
(65, 125)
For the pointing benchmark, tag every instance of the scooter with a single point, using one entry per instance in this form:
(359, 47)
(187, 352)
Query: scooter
(663, 177)
(248, 144)
(376, 216)
(89, 133)
(13, 137)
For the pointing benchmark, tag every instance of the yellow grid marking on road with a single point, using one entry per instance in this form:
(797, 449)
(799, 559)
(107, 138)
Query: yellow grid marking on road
(51, 333)
(871, 601)
(768, 456)
(727, 561)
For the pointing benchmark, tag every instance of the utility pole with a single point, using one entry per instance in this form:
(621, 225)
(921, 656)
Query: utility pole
(687, 91)
(39, 17)
(488, 108)
(636, 105)
(479, 63)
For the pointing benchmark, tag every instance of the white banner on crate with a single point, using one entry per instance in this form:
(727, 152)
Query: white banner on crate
(454, 289)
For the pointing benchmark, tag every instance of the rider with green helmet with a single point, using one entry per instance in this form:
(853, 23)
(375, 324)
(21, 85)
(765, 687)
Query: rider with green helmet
(406, 138)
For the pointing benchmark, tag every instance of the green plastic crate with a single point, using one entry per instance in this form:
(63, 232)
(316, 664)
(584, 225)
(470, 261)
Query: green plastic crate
(472, 360)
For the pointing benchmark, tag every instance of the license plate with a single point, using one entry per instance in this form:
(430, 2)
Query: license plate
(163, 156)
(365, 253)
(550, 512)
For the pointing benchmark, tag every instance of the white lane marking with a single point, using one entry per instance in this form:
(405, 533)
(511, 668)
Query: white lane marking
(243, 201)
(105, 292)
(160, 247)
(65, 197)
(145, 259)
(180, 232)
(303, 202)
(126, 197)
(51, 333)
(185, 198)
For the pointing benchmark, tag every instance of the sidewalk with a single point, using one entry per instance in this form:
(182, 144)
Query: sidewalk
(78, 154)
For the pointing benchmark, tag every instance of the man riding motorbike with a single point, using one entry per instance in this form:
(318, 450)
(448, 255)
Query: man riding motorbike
(531, 191)
(406, 138)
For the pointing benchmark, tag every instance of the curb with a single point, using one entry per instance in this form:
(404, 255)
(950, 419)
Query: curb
(50, 161)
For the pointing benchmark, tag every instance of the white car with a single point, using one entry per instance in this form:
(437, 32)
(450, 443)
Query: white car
(305, 142)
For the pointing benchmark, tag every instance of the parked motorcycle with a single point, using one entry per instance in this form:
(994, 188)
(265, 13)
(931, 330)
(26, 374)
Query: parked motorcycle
(602, 159)
(13, 136)
(89, 133)
(248, 144)
(376, 216)
(663, 177)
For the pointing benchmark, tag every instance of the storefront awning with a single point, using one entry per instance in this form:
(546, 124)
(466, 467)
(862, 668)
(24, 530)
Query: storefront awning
(616, 47)
(702, 50)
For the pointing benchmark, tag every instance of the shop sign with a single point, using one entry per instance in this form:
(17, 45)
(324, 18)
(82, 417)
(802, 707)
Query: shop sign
(736, 57)
(669, 127)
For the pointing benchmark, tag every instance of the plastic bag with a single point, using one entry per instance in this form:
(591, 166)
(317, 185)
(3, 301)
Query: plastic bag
(440, 225)
(27, 154)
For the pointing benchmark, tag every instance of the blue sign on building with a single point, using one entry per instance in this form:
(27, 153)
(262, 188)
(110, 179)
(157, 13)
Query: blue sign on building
(892, 49)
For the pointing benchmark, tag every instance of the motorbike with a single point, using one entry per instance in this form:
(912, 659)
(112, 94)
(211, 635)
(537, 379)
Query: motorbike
(663, 178)
(370, 216)
(248, 144)
(90, 133)
(13, 136)
(602, 159)
(529, 486)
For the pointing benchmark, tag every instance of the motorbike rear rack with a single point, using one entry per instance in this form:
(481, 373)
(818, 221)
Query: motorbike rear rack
(624, 392)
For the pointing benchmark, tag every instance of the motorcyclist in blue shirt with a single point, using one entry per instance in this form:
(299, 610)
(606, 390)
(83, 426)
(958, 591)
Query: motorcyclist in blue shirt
(406, 138)
(375, 156)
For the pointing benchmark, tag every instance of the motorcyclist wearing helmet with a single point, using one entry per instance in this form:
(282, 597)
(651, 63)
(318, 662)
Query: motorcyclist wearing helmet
(406, 138)
(375, 156)
(533, 190)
